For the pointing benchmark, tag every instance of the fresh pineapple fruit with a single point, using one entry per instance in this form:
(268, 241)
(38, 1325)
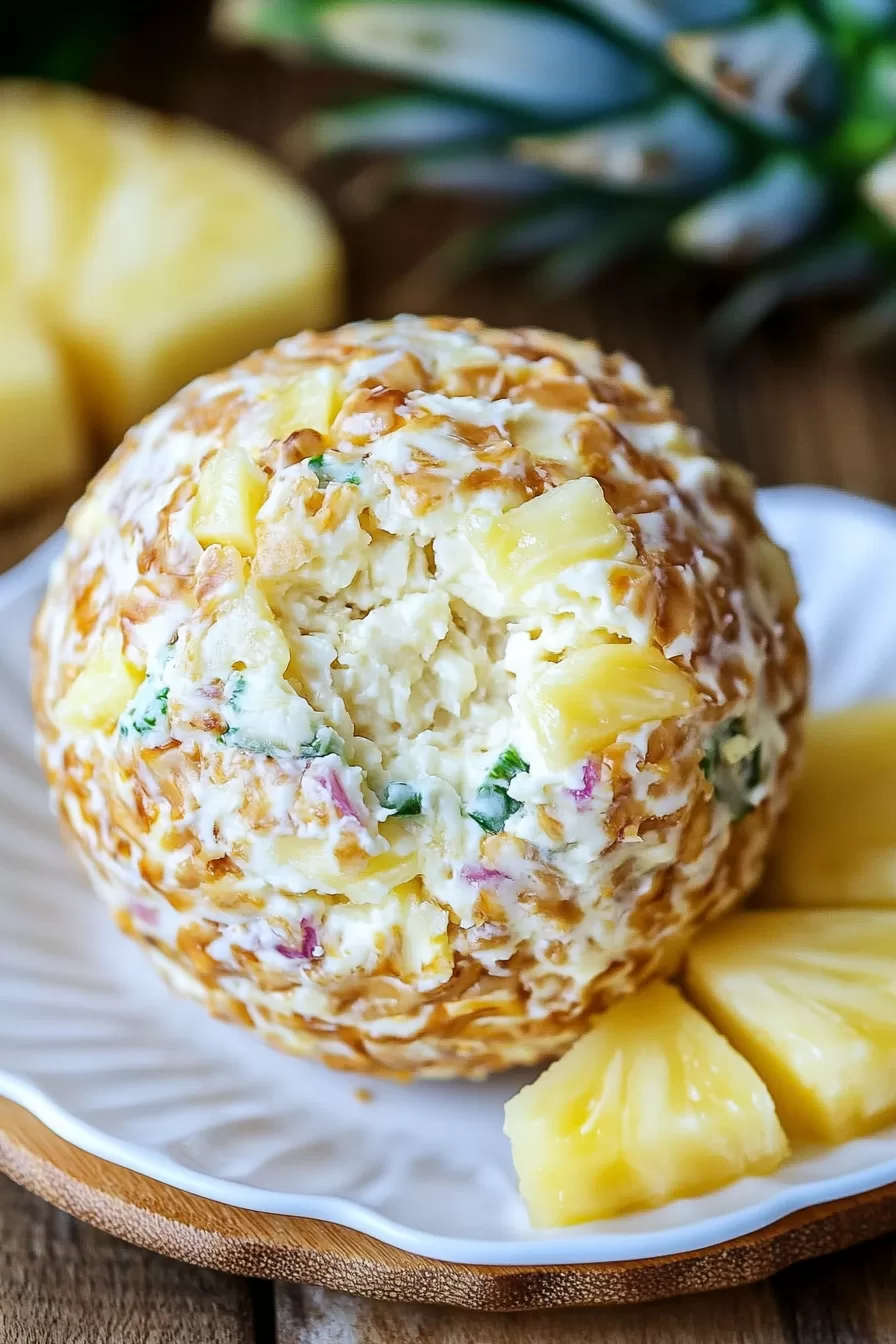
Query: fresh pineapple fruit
(311, 402)
(581, 704)
(230, 493)
(198, 252)
(151, 251)
(651, 1105)
(837, 843)
(366, 881)
(538, 540)
(41, 435)
(809, 997)
(57, 154)
(102, 689)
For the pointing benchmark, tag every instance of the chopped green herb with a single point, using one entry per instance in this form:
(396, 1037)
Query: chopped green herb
(402, 800)
(233, 738)
(147, 711)
(508, 764)
(493, 805)
(733, 765)
(237, 690)
(326, 470)
(325, 742)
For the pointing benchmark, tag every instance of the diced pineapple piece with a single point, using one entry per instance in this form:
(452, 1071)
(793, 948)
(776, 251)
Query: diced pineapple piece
(42, 444)
(538, 540)
(581, 704)
(837, 843)
(651, 1105)
(101, 690)
(365, 882)
(198, 250)
(231, 491)
(809, 996)
(244, 631)
(311, 402)
(425, 949)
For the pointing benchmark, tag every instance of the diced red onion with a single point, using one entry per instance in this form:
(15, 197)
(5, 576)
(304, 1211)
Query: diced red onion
(332, 784)
(146, 913)
(304, 950)
(590, 779)
(479, 876)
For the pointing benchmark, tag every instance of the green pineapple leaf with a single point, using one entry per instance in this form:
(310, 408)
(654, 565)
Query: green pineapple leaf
(752, 133)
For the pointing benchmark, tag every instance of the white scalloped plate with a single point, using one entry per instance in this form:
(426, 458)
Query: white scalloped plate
(94, 1045)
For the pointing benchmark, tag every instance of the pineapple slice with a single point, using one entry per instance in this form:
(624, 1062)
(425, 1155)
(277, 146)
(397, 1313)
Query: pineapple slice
(41, 437)
(231, 491)
(58, 150)
(311, 402)
(538, 540)
(101, 690)
(809, 996)
(199, 250)
(651, 1105)
(150, 250)
(837, 843)
(581, 704)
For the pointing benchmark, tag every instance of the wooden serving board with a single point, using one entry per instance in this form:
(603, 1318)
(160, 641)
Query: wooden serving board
(237, 1241)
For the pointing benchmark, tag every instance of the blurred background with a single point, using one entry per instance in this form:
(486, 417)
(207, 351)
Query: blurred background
(707, 184)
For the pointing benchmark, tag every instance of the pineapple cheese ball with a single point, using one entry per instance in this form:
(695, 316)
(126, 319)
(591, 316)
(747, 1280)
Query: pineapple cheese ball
(415, 690)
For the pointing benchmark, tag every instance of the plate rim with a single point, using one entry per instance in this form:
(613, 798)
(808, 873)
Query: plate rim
(540, 1249)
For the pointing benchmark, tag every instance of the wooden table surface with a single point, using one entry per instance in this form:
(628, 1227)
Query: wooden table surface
(790, 409)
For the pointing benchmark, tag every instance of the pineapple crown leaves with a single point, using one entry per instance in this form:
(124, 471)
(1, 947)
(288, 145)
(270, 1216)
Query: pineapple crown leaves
(752, 133)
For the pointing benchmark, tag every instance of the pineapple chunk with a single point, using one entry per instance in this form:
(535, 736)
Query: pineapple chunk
(582, 704)
(538, 540)
(837, 843)
(809, 996)
(366, 882)
(425, 949)
(244, 631)
(651, 1105)
(231, 491)
(42, 444)
(311, 402)
(101, 690)
(198, 250)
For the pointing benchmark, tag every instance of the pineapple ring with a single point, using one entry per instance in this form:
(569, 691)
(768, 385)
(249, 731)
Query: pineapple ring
(142, 251)
(462, 691)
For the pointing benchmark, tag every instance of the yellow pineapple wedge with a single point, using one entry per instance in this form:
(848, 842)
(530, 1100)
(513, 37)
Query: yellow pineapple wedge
(199, 251)
(41, 436)
(651, 1105)
(102, 689)
(809, 997)
(537, 540)
(837, 843)
(59, 148)
(582, 703)
(149, 251)
(230, 493)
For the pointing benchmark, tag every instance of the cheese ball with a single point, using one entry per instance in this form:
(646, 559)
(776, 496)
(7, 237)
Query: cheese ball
(412, 691)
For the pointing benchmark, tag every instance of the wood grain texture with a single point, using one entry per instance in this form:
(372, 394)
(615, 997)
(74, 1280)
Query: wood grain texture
(314, 1316)
(64, 1283)
(238, 1241)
